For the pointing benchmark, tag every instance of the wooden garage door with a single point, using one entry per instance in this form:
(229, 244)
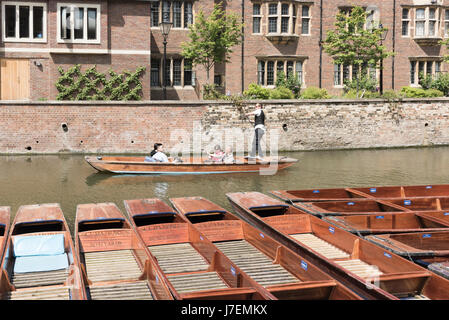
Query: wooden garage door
(15, 79)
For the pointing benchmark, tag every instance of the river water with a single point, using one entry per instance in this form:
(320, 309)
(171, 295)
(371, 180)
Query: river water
(69, 180)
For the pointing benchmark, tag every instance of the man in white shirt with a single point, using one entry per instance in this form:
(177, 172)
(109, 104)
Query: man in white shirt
(259, 131)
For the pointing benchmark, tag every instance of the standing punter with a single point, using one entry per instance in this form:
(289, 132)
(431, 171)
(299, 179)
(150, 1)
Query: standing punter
(259, 131)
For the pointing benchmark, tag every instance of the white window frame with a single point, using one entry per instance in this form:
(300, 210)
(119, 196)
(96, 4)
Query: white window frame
(17, 37)
(426, 21)
(171, 14)
(408, 20)
(72, 17)
(292, 17)
(170, 65)
(433, 66)
(259, 16)
(263, 82)
(446, 23)
(309, 18)
(340, 68)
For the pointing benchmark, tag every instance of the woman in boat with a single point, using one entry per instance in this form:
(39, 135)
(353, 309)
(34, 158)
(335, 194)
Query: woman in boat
(259, 131)
(157, 153)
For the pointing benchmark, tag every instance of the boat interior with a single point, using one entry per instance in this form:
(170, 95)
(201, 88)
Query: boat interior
(113, 260)
(271, 265)
(39, 261)
(389, 223)
(191, 264)
(357, 257)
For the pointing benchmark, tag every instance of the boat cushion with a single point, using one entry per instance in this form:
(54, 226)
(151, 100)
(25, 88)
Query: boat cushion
(41, 263)
(38, 245)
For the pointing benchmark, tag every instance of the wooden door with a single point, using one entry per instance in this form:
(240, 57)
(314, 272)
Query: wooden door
(15, 79)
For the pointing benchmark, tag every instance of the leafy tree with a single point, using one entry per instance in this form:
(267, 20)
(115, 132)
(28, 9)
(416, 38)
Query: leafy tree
(353, 44)
(212, 38)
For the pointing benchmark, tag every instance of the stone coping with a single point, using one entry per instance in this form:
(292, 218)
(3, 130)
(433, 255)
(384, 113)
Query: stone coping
(201, 103)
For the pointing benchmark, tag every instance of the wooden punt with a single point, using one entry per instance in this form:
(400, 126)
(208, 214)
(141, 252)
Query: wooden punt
(356, 207)
(268, 263)
(61, 282)
(351, 260)
(114, 262)
(192, 266)
(429, 249)
(391, 223)
(347, 194)
(137, 165)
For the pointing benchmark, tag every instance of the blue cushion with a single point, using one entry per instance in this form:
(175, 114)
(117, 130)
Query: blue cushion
(149, 159)
(38, 245)
(40, 263)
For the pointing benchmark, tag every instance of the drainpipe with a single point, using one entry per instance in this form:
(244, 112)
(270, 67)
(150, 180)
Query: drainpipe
(243, 47)
(394, 43)
(320, 44)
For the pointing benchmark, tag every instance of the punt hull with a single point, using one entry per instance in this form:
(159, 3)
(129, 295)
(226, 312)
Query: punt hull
(136, 165)
(188, 261)
(113, 259)
(230, 233)
(43, 219)
(405, 222)
(399, 278)
(347, 194)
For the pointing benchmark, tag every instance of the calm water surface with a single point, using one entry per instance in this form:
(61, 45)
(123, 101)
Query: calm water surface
(69, 180)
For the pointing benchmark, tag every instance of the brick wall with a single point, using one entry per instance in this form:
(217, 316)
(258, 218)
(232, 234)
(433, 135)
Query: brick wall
(114, 127)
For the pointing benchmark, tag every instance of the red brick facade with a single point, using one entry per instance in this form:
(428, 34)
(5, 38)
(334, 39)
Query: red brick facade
(128, 38)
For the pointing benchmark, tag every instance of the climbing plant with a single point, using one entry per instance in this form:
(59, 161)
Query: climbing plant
(73, 84)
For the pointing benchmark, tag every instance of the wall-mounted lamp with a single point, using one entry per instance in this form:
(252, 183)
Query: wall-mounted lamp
(37, 64)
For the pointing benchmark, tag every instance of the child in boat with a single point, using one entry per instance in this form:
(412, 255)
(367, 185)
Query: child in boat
(218, 154)
(228, 156)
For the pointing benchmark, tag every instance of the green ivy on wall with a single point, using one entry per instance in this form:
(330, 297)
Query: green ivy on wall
(93, 85)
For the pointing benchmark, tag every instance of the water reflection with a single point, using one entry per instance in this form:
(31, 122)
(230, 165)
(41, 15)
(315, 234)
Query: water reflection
(69, 180)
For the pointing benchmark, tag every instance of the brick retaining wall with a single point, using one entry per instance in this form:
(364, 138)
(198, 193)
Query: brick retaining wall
(133, 127)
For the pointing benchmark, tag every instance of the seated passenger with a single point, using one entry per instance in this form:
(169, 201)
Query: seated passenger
(218, 154)
(228, 156)
(157, 153)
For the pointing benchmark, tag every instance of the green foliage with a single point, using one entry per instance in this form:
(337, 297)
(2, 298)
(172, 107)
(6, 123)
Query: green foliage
(425, 81)
(352, 94)
(410, 92)
(441, 83)
(291, 82)
(392, 95)
(93, 85)
(256, 91)
(364, 82)
(315, 93)
(281, 93)
(211, 93)
(212, 38)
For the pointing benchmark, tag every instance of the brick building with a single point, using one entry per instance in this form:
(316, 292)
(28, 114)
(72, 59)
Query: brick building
(40, 36)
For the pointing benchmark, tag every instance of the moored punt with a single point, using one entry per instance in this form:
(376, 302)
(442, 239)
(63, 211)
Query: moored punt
(430, 249)
(269, 264)
(137, 165)
(351, 260)
(354, 207)
(40, 262)
(391, 223)
(347, 194)
(192, 266)
(114, 261)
